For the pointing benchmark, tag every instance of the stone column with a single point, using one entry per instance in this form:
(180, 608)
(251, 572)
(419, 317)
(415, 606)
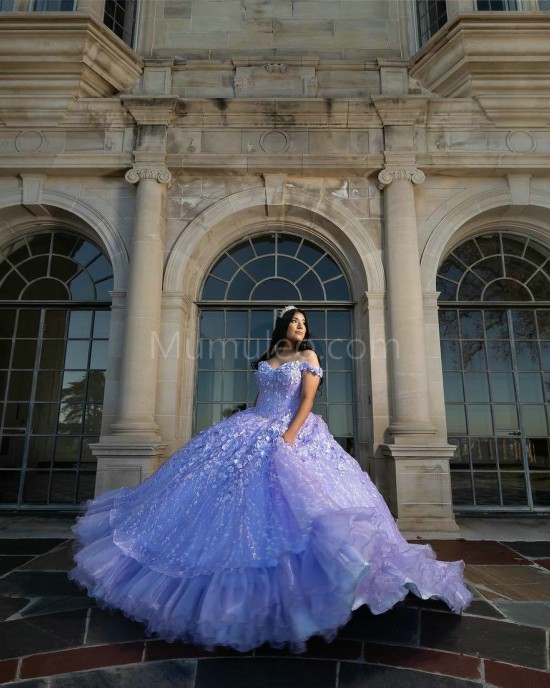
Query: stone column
(418, 470)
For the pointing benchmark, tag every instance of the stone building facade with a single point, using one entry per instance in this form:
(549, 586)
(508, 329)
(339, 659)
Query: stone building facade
(161, 197)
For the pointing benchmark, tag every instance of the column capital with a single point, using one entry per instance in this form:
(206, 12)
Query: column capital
(159, 174)
(392, 174)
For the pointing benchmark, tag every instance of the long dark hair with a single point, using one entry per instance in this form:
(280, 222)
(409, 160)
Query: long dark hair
(279, 334)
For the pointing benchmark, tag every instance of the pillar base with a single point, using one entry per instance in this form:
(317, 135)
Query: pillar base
(125, 464)
(419, 485)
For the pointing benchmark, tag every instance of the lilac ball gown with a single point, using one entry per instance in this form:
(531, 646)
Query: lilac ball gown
(240, 539)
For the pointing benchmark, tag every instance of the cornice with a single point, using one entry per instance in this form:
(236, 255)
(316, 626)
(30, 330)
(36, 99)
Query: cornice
(159, 174)
(151, 109)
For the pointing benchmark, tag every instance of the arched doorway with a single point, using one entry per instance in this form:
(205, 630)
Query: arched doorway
(54, 329)
(238, 305)
(494, 323)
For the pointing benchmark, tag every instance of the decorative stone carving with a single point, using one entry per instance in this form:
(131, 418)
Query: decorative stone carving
(520, 142)
(274, 141)
(388, 176)
(30, 141)
(162, 176)
(275, 67)
(311, 87)
(240, 84)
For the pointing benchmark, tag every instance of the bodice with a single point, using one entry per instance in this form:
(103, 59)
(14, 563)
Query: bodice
(280, 387)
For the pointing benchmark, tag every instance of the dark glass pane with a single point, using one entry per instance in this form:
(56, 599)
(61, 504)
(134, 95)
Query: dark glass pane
(11, 451)
(340, 419)
(450, 355)
(7, 322)
(451, 269)
(84, 252)
(28, 324)
(545, 351)
(264, 244)
(261, 323)
(5, 352)
(540, 486)
(77, 354)
(63, 268)
(339, 388)
(36, 485)
(40, 452)
(266, 290)
(55, 324)
(209, 386)
(224, 268)
(309, 252)
(9, 485)
(471, 324)
(20, 386)
(543, 318)
(236, 323)
(480, 421)
(48, 386)
(486, 489)
(44, 418)
(546, 387)
(74, 386)
(534, 420)
(338, 324)
(337, 357)
(45, 289)
(210, 353)
(476, 387)
(452, 383)
(538, 452)
(473, 355)
(448, 324)
(506, 290)
(530, 387)
(24, 354)
(206, 415)
(523, 324)
(327, 268)
(17, 252)
(12, 287)
(506, 418)
(241, 287)
(256, 348)
(499, 356)
(86, 486)
(82, 288)
(80, 323)
(311, 288)
(16, 415)
(316, 323)
(100, 269)
(489, 244)
(211, 324)
(235, 354)
(337, 290)
(456, 419)
(461, 485)
(3, 383)
(513, 489)
(471, 288)
(518, 269)
(288, 244)
(535, 254)
(527, 356)
(260, 268)
(489, 269)
(102, 324)
(39, 243)
(484, 452)
(468, 252)
(461, 457)
(290, 268)
(96, 385)
(447, 289)
(513, 246)
(63, 487)
(502, 387)
(92, 418)
(64, 244)
(510, 453)
(34, 268)
(98, 359)
(540, 287)
(87, 459)
(234, 386)
(103, 288)
(496, 325)
(70, 418)
(242, 252)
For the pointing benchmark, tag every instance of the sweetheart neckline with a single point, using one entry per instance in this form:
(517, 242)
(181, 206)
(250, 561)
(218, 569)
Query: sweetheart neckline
(295, 360)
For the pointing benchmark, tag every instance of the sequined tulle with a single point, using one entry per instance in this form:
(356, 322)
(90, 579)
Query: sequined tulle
(241, 539)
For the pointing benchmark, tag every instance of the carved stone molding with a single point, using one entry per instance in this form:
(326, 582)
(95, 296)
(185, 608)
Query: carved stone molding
(390, 175)
(162, 176)
(275, 67)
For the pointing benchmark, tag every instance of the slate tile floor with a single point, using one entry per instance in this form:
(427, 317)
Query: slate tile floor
(52, 634)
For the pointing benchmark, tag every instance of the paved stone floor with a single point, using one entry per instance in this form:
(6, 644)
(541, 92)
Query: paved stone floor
(52, 635)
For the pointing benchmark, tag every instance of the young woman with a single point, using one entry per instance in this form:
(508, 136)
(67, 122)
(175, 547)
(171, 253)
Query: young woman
(260, 529)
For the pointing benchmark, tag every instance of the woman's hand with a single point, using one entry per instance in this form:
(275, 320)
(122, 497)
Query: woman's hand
(289, 437)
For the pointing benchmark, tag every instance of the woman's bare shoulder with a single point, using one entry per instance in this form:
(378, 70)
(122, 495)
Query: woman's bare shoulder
(309, 356)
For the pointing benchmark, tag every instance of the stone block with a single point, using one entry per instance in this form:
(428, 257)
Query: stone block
(329, 142)
(268, 9)
(315, 34)
(217, 16)
(310, 9)
(244, 40)
(177, 9)
(221, 142)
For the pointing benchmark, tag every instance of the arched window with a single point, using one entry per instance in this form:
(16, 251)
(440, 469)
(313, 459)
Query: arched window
(54, 329)
(495, 342)
(239, 301)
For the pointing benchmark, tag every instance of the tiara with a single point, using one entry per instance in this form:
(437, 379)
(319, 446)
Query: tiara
(285, 310)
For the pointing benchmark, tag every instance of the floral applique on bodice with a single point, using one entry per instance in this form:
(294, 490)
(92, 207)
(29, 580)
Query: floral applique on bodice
(280, 387)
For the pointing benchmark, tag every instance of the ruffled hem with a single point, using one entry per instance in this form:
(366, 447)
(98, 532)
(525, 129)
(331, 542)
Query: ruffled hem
(345, 563)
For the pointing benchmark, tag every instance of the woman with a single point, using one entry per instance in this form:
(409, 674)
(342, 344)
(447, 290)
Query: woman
(260, 529)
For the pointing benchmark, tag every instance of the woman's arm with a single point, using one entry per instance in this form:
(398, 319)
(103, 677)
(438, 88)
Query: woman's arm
(310, 382)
